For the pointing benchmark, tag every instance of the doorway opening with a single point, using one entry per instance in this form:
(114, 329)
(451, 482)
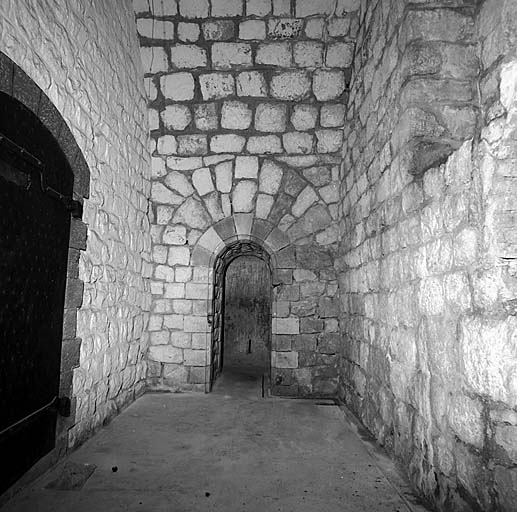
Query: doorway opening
(241, 326)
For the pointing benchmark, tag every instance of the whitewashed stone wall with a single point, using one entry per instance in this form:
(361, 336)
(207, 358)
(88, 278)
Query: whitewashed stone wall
(84, 55)
(427, 255)
(246, 107)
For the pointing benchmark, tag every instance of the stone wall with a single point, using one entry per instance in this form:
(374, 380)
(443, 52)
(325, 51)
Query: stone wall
(246, 112)
(84, 56)
(426, 263)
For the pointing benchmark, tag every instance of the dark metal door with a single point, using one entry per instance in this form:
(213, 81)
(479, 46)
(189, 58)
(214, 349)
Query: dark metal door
(34, 237)
(216, 356)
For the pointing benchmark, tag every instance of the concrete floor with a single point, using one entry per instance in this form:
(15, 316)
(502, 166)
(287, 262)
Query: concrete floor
(230, 450)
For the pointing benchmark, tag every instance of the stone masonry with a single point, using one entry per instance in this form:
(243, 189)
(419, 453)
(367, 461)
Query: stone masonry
(246, 107)
(93, 79)
(426, 262)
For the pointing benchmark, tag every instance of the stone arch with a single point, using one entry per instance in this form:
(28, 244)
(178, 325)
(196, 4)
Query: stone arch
(221, 237)
(17, 88)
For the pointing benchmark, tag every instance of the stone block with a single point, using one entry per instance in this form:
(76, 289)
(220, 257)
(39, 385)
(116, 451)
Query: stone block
(174, 291)
(161, 194)
(258, 7)
(344, 7)
(179, 183)
(291, 85)
(227, 143)
(192, 145)
(311, 325)
(332, 115)
(174, 235)
(311, 288)
(154, 59)
(270, 177)
(202, 180)
(227, 8)
(263, 206)
(439, 25)
(274, 54)
(330, 193)
(178, 256)
(176, 117)
(155, 29)
(303, 308)
(308, 54)
(198, 291)
(211, 241)
(177, 86)
(195, 357)
(206, 117)
(289, 325)
(306, 8)
(216, 86)
(252, 29)
(173, 321)
(183, 274)
(196, 324)
(223, 177)
(304, 117)
(188, 56)
(165, 354)
(264, 145)
(178, 163)
(328, 85)
(284, 359)
(229, 55)
(243, 196)
(314, 28)
(236, 115)
(306, 198)
(270, 117)
(222, 30)
(465, 247)
(154, 119)
(150, 89)
(488, 353)
(298, 142)
(192, 214)
(318, 176)
(281, 7)
(466, 419)
(213, 205)
(194, 8)
(431, 296)
(285, 28)
(243, 224)
(338, 27)
(339, 55)
(167, 145)
(246, 167)
(188, 32)
(329, 141)
(251, 83)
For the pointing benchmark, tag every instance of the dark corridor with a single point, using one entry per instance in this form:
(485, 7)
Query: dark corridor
(247, 315)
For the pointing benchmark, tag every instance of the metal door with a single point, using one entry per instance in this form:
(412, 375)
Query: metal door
(34, 238)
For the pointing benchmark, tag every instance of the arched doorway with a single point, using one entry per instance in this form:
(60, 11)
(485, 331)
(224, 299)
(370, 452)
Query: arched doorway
(43, 178)
(241, 324)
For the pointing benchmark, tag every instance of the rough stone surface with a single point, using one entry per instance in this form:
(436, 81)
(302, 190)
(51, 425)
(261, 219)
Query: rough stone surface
(95, 82)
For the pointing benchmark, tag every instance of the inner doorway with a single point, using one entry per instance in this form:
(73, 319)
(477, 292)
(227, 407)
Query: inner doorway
(241, 328)
(247, 315)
